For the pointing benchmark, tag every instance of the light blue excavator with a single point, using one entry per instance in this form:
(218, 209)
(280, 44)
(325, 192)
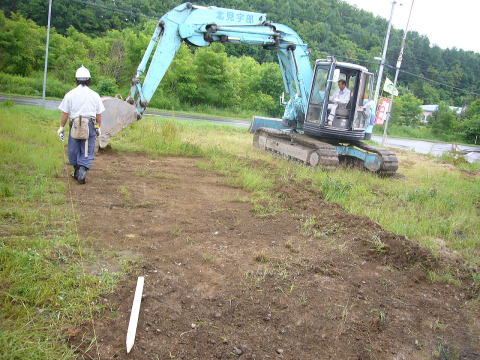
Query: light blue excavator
(316, 129)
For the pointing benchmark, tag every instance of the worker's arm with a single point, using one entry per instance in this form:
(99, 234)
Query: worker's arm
(63, 121)
(98, 131)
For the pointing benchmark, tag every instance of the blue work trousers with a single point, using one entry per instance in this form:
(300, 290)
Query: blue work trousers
(76, 149)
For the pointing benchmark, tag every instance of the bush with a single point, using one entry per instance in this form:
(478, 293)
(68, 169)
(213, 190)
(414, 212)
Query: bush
(33, 85)
(106, 86)
(8, 103)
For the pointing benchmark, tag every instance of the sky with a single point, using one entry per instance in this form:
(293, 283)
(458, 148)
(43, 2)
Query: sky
(447, 23)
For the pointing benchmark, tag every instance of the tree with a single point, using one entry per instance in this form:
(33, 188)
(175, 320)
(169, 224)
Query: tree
(216, 83)
(406, 110)
(443, 120)
(471, 124)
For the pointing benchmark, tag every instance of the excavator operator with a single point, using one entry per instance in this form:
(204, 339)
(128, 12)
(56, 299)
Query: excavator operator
(340, 99)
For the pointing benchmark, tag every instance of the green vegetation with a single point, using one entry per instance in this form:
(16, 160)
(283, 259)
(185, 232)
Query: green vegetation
(436, 206)
(406, 110)
(45, 292)
(418, 132)
(205, 80)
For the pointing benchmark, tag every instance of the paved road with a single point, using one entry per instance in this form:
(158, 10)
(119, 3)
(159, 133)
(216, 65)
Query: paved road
(427, 147)
(423, 147)
(53, 105)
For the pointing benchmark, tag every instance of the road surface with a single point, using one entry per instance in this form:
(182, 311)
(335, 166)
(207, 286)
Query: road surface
(423, 147)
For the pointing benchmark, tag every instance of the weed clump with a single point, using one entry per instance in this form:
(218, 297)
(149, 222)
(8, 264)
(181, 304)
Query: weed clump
(261, 257)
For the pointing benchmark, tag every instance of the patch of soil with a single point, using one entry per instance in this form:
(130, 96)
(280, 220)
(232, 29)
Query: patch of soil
(222, 283)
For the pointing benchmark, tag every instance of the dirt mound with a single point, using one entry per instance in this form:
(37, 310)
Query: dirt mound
(364, 236)
(222, 283)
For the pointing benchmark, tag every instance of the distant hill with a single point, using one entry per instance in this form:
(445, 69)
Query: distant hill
(328, 26)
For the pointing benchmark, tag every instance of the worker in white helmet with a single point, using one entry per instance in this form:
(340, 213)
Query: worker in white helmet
(84, 108)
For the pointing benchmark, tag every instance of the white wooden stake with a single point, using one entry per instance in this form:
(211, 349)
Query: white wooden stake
(132, 325)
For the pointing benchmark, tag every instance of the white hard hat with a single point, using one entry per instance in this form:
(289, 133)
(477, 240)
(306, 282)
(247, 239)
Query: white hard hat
(82, 73)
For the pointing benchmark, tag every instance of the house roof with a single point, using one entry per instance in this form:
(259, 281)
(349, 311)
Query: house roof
(432, 108)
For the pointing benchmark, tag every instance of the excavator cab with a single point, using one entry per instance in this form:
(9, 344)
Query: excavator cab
(345, 115)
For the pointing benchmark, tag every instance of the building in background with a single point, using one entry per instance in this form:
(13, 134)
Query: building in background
(428, 110)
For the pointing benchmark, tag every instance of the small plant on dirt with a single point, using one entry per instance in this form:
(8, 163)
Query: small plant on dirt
(261, 257)
(176, 231)
(378, 245)
(259, 275)
(447, 277)
(444, 352)
(110, 171)
(303, 299)
(126, 194)
(419, 344)
(381, 315)
(290, 246)
(435, 325)
(476, 284)
(189, 240)
(387, 284)
(207, 257)
(307, 227)
(241, 199)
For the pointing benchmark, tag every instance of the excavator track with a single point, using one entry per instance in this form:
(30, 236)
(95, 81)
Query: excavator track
(389, 161)
(314, 152)
(296, 147)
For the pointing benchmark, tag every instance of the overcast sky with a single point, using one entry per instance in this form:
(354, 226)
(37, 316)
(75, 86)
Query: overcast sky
(447, 23)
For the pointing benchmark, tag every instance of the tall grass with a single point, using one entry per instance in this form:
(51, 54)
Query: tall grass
(33, 85)
(43, 290)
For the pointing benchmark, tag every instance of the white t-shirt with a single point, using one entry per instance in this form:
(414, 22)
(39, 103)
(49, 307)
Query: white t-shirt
(82, 101)
(342, 96)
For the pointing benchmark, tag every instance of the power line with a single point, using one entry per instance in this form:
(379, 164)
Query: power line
(436, 82)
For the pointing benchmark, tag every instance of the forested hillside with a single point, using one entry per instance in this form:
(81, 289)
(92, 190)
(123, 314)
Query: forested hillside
(328, 26)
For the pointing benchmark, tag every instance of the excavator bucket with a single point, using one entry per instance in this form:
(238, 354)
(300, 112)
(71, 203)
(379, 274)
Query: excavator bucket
(118, 115)
(264, 122)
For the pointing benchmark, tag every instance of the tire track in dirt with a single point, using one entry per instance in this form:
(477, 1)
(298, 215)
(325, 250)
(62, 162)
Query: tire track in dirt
(257, 288)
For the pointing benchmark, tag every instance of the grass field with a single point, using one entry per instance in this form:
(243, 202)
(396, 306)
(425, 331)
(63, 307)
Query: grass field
(44, 288)
(44, 291)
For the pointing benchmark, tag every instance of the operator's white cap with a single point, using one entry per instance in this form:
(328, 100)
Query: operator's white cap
(82, 73)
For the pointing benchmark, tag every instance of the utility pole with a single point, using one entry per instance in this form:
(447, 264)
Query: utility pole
(46, 52)
(382, 61)
(399, 64)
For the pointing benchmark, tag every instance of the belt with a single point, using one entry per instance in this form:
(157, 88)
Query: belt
(91, 118)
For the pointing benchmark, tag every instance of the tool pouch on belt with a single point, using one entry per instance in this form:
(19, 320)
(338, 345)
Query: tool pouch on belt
(79, 128)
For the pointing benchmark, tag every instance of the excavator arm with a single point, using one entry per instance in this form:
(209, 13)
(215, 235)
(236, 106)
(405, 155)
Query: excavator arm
(200, 26)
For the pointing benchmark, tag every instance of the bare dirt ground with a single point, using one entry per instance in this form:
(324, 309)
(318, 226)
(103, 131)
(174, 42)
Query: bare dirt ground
(222, 283)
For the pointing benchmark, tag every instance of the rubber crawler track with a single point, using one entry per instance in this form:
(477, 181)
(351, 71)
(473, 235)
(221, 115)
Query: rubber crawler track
(389, 159)
(326, 151)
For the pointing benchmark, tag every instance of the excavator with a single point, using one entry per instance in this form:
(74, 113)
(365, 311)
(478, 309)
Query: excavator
(316, 129)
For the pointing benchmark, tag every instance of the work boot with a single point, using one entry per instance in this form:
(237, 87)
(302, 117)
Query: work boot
(75, 172)
(81, 174)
